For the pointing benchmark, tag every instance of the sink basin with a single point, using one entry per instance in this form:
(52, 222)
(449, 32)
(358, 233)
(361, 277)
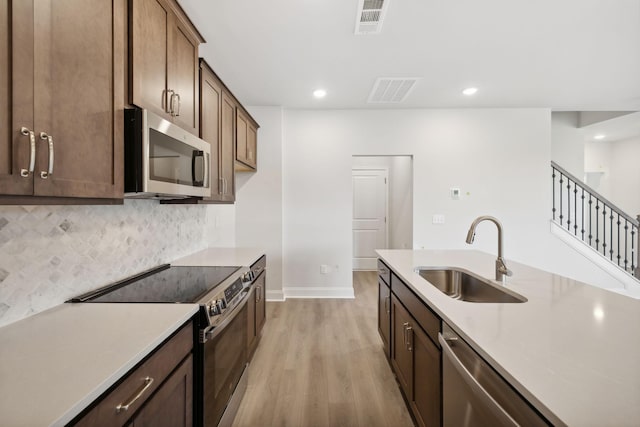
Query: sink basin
(465, 286)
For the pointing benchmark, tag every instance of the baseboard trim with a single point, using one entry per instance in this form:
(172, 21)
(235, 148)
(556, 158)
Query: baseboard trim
(319, 292)
(276, 296)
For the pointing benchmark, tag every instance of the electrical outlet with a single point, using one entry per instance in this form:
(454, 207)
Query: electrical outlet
(438, 219)
(324, 269)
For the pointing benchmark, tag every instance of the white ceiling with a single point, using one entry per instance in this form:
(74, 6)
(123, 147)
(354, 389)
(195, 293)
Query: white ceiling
(562, 54)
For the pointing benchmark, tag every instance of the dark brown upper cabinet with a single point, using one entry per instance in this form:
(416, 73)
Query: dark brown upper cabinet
(217, 120)
(61, 99)
(163, 61)
(246, 142)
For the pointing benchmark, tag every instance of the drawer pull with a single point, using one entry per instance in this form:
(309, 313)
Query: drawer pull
(32, 152)
(125, 407)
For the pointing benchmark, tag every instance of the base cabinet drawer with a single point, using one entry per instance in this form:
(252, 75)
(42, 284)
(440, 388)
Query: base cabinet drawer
(161, 377)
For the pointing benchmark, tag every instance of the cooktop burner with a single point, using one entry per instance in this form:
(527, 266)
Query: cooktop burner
(162, 285)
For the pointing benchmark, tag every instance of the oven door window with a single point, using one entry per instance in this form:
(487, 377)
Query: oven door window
(175, 162)
(225, 357)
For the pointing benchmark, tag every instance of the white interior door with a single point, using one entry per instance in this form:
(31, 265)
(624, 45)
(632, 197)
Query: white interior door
(369, 216)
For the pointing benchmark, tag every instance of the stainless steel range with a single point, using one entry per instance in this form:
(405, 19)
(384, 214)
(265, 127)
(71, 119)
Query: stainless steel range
(221, 335)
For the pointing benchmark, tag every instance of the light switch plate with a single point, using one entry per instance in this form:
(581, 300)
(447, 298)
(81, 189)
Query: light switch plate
(455, 193)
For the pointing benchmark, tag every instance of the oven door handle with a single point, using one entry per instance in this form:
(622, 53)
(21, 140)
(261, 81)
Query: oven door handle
(213, 331)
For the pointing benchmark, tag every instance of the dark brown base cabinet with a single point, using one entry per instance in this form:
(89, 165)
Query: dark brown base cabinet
(384, 315)
(157, 393)
(415, 354)
(257, 313)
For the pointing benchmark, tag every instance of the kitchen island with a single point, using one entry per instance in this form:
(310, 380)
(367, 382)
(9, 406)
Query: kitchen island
(571, 350)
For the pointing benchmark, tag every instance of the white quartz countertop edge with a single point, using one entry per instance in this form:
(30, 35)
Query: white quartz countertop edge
(241, 257)
(55, 364)
(592, 382)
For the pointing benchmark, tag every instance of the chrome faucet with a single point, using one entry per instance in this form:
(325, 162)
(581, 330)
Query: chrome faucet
(501, 268)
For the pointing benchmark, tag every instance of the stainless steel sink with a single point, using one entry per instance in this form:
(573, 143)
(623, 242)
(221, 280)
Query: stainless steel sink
(465, 286)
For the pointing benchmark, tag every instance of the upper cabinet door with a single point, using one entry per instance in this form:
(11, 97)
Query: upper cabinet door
(62, 119)
(164, 62)
(149, 21)
(16, 97)
(210, 120)
(79, 97)
(246, 141)
(241, 137)
(183, 76)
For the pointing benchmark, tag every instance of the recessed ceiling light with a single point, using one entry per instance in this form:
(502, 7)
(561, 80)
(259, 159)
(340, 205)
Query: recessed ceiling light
(599, 136)
(319, 93)
(470, 91)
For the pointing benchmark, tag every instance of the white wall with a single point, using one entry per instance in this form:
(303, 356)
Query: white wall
(400, 221)
(567, 142)
(500, 157)
(619, 177)
(258, 206)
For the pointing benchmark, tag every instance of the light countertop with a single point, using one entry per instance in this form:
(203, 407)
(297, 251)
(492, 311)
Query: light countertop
(572, 349)
(221, 256)
(56, 363)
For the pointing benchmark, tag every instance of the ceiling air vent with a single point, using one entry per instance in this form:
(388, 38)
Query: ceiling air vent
(390, 90)
(370, 16)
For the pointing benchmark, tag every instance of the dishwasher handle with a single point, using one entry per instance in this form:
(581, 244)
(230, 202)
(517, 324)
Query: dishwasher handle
(479, 391)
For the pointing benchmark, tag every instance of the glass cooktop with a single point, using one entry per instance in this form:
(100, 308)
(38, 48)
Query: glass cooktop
(170, 285)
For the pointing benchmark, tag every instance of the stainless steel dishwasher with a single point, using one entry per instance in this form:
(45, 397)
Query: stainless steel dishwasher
(474, 394)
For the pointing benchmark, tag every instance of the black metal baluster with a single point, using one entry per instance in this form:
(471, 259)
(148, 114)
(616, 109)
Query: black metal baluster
(626, 244)
(582, 209)
(590, 219)
(575, 209)
(560, 192)
(597, 222)
(611, 231)
(569, 204)
(633, 249)
(604, 229)
(618, 256)
(553, 190)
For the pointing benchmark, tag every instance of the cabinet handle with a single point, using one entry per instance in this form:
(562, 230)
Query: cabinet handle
(386, 304)
(32, 152)
(175, 112)
(168, 99)
(125, 407)
(409, 338)
(258, 294)
(220, 185)
(49, 139)
(404, 333)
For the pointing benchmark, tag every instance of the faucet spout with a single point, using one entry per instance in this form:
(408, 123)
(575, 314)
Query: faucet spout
(501, 268)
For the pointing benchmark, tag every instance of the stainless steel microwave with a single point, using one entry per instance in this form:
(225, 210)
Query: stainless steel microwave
(162, 160)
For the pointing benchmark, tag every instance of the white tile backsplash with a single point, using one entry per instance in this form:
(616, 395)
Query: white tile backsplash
(49, 254)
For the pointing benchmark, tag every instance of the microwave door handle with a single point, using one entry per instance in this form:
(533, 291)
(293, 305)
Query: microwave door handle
(206, 182)
(198, 181)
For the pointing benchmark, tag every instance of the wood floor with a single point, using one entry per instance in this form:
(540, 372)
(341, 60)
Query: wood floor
(320, 363)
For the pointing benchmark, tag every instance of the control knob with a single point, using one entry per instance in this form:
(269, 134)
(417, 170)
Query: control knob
(214, 310)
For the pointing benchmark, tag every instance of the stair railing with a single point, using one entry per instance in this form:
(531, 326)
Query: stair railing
(596, 221)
